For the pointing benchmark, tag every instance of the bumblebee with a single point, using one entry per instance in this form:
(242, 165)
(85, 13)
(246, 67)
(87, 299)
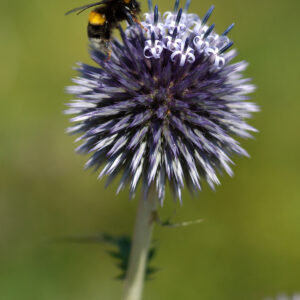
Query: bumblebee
(105, 17)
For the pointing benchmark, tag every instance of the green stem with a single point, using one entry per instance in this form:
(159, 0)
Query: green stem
(135, 275)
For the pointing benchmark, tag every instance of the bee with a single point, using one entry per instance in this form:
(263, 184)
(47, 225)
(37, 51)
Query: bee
(106, 15)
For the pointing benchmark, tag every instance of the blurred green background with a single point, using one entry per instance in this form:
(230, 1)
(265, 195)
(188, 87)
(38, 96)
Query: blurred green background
(249, 245)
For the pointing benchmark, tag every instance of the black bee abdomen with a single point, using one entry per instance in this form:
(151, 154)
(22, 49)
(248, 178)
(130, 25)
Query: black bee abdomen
(99, 31)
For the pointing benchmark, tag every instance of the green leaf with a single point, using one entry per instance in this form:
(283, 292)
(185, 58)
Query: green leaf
(120, 252)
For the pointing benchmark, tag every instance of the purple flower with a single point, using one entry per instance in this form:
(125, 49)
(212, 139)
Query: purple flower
(166, 106)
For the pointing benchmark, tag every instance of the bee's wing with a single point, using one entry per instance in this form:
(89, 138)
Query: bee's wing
(84, 7)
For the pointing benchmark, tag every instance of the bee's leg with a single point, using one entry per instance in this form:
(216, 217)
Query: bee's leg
(129, 18)
(132, 18)
(107, 33)
(108, 51)
(108, 55)
(137, 21)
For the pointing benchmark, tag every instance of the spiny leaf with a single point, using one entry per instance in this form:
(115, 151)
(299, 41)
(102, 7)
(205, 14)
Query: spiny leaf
(121, 251)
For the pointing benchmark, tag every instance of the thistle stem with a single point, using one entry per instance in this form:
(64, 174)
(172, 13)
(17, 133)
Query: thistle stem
(135, 275)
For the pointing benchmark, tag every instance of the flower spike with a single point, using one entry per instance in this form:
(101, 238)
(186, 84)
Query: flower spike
(228, 29)
(207, 15)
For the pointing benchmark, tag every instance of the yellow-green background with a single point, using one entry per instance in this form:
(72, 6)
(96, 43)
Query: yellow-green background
(249, 245)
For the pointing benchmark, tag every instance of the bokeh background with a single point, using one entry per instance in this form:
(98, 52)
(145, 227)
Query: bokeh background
(247, 248)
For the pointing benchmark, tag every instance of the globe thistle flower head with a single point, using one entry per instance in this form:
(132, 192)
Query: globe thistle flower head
(166, 106)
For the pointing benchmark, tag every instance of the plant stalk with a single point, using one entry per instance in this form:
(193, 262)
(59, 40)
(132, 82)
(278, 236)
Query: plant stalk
(135, 276)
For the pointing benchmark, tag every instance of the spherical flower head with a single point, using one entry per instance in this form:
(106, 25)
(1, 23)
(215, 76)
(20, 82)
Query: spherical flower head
(166, 106)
